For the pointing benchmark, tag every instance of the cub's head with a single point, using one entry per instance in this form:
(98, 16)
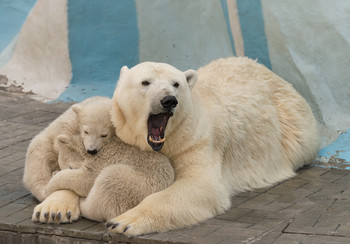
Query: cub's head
(149, 100)
(96, 128)
(71, 152)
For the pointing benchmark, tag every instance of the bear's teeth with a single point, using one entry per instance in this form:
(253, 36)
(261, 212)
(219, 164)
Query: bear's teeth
(154, 141)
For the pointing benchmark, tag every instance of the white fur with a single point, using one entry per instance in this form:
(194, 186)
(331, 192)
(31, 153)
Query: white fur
(42, 156)
(42, 163)
(113, 181)
(94, 123)
(240, 127)
(107, 183)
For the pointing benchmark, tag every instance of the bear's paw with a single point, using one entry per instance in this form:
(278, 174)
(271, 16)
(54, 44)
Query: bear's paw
(60, 207)
(132, 223)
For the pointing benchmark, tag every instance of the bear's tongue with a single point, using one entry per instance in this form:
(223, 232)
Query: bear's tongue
(156, 128)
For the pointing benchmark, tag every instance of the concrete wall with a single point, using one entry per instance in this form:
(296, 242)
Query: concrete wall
(36, 59)
(73, 49)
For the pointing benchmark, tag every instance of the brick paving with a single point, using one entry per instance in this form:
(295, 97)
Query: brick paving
(313, 207)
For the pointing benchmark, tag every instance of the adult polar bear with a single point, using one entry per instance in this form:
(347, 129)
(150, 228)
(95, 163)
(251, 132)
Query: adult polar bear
(240, 127)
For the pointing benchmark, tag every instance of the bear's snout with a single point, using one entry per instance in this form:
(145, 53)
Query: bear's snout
(169, 102)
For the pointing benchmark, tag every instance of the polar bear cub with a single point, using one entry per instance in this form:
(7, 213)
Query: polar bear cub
(115, 180)
(70, 157)
(118, 177)
(95, 130)
(94, 124)
(42, 155)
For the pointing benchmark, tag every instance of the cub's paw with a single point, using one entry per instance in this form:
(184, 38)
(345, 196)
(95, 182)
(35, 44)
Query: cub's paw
(60, 207)
(131, 223)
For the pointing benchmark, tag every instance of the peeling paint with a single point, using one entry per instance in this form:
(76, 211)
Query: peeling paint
(337, 154)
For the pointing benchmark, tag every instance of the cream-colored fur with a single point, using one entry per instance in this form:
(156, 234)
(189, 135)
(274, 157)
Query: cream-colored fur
(42, 157)
(119, 177)
(42, 160)
(240, 127)
(95, 124)
(108, 182)
(69, 157)
(60, 207)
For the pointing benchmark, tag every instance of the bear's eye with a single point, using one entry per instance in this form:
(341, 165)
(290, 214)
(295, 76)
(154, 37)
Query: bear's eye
(86, 132)
(176, 85)
(104, 135)
(145, 83)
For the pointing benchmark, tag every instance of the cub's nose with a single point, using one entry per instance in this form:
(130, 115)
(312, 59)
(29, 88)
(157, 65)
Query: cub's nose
(92, 152)
(169, 102)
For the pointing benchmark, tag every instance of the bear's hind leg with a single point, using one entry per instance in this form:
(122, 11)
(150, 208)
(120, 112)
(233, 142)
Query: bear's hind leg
(116, 189)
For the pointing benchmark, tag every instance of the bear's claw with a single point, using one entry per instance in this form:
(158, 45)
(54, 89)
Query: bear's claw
(111, 225)
(59, 216)
(53, 217)
(126, 228)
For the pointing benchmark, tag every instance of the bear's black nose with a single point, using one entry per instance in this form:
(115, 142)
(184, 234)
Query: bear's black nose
(92, 152)
(169, 102)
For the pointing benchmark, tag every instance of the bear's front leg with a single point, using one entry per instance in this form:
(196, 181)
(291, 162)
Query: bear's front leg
(60, 207)
(41, 162)
(78, 180)
(187, 201)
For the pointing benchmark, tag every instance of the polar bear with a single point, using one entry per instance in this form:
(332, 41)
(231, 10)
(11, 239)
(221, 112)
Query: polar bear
(42, 157)
(119, 177)
(240, 127)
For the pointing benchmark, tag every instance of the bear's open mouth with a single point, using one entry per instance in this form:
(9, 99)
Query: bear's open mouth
(156, 129)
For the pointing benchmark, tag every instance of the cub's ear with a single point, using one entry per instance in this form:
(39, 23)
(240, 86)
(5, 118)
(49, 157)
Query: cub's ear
(191, 77)
(77, 109)
(63, 138)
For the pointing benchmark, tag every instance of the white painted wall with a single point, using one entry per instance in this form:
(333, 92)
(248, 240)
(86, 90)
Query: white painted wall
(309, 45)
(38, 58)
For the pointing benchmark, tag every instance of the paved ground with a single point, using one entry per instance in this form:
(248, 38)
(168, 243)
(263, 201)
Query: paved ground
(313, 207)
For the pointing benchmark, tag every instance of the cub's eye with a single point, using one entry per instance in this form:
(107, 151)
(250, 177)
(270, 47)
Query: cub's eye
(176, 85)
(86, 132)
(145, 83)
(104, 135)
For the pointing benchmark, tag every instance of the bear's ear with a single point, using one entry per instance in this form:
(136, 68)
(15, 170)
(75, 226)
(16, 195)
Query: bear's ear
(77, 109)
(123, 71)
(191, 77)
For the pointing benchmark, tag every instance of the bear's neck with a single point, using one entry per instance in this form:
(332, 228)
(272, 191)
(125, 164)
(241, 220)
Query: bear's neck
(124, 129)
(185, 132)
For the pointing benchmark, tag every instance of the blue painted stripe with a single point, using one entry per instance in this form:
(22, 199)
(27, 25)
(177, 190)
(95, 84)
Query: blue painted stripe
(253, 31)
(228, 25)
(13, 13)
(103, 36)
(337, 153)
